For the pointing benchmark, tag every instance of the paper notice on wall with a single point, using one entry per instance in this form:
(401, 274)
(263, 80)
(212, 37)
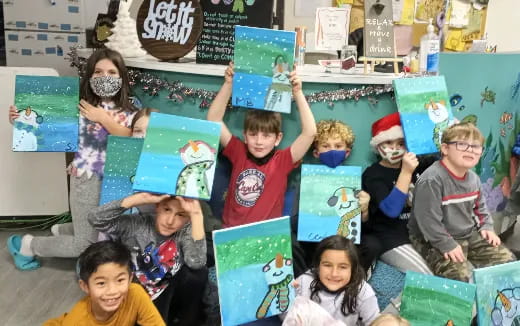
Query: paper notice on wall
(331, 28)
(459, 16)
(307, 8)
(407, 12)
(397, 8)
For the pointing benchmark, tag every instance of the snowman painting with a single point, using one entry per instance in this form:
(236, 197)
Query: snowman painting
(439, 115)
(25, 132)
(199, 157)
(279, 94)
(506, 311)
(346, 206)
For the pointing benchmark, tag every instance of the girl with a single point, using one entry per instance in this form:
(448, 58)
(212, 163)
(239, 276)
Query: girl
(140, 122)
(389, 183)
(337, 283)
(105, 109)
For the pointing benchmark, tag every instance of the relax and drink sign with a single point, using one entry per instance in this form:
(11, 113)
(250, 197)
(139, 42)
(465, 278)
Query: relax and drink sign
(169, 29)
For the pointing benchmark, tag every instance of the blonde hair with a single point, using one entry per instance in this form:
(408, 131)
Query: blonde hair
(464, 130)
(263, 121)
(390, 320)
(332, 129)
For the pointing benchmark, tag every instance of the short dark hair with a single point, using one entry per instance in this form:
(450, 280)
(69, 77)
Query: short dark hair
(102, 252)
(263, 121)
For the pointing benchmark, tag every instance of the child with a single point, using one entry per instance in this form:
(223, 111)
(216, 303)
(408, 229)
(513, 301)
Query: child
(168, 250)
(105, 109)
(337, 283)
(259, 174)
(388, 183)
(450, 223)
(105, 276)
(390, 320)
(140, 122)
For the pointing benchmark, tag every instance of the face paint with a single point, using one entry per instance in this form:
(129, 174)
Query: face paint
(393, 156)
(105, 86)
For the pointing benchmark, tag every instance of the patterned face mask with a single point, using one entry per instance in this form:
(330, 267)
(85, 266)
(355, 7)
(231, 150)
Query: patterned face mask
(105, 86)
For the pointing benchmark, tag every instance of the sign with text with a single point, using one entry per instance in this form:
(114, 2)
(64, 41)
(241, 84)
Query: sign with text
(220, 17)
(331, 28)
(378, 34)
(169, 29)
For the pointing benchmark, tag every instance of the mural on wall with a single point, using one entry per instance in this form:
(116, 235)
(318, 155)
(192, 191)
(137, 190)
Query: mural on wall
(430, 300)
(254, 267)
(48, 109)
(498, 294)
(178, 156)
(328, 203)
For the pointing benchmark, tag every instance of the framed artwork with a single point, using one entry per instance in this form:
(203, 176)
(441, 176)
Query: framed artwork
(424, 106)
(254, 268)
(49, 115)
(122, 156)
(498, 294)
(263, 60)
(178, 156)
(328, 203)
(430, 300)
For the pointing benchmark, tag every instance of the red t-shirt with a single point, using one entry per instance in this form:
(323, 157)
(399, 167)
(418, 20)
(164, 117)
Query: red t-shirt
(255, 192)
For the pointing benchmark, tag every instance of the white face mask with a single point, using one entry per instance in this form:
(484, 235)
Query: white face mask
(393, 156)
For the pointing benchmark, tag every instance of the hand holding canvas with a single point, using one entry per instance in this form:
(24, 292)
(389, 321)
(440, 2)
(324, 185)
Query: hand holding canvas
(13, 114)
(142, 198)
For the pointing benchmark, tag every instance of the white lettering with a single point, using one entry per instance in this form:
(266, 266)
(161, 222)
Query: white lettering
(168, 23)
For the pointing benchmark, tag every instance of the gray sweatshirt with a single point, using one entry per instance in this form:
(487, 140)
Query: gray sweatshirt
(446, 207)
(155, 258)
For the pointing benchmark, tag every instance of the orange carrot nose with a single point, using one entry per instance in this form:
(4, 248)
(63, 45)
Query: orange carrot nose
(505, 301)
(434, 105)
(28, 111)
(279, 261)
(279, 68)
(343, 195)
(194, 146)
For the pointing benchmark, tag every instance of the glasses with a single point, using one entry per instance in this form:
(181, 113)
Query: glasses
(464, 146)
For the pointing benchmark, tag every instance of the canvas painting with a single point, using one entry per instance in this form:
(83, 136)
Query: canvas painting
(430, 300)
(424, 107)
(178, 156)
(122, 156)
(263, 60)
(49, 115)
(498, 294)
(254, 270)
(328, 203)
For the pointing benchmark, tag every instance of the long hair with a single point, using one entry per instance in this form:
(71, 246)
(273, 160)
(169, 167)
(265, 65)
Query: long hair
(121, 99)
(357, 275)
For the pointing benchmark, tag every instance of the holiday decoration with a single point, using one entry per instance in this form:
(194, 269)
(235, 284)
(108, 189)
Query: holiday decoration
(124, 35)
(168, 30)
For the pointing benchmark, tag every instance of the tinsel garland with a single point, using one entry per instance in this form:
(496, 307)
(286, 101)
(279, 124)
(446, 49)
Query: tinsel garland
(178, 92)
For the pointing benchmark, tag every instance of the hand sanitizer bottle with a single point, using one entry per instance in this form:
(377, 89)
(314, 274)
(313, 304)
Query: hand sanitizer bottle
(429, 51)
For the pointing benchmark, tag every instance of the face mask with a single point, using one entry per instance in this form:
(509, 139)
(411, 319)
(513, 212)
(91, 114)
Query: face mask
(333, 158)
(393, 156)
(106, 86)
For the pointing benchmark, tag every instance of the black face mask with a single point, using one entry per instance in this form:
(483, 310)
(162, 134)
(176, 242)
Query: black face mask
(262, 160)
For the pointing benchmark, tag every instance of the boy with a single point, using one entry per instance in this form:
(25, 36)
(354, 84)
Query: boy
(450, 223)
(259, 174)
(105, 276)
(168, 250)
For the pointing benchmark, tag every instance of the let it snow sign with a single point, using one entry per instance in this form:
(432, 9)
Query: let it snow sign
(169, 29)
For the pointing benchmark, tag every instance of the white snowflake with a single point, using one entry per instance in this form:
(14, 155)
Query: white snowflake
(169, 33)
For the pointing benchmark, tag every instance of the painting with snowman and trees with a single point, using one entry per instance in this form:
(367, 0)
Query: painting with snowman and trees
(328, 203)
(263, 59)
(424, 107)
(254, 268)
(49, 115)
(178, 156)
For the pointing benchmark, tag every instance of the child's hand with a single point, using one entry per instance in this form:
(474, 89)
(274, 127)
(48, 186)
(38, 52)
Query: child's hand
(491, 237)
(229, 73)
(456, 255)
(296, 82)
(13, 114)
(410, 162)
(142, 198)
(190, 206)
(295, 284)
(93, 113)
(363, 199)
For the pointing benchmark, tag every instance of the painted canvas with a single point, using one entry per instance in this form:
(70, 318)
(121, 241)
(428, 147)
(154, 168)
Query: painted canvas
(254, 270)
(48, 108)
(122, 156)
(430, 300)
(263, 60)
(424, 107)
(498, 294)
(178, 156)
(328, 204)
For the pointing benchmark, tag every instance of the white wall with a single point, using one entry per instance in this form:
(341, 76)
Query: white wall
(502, 25)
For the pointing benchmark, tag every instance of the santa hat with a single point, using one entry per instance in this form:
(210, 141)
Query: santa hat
(386, 128)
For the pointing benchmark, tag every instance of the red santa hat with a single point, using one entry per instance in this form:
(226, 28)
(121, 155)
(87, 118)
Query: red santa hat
(386, 128)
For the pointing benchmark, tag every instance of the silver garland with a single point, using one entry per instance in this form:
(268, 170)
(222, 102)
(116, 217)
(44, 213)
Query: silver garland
(178, 92)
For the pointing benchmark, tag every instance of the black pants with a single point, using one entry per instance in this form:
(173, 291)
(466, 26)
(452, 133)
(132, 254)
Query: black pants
(369, 249)
(181, 302)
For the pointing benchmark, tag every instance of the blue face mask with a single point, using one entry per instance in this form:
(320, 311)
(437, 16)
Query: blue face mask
(333, 158)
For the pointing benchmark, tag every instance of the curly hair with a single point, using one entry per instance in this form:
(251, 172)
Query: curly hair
(334, 129)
